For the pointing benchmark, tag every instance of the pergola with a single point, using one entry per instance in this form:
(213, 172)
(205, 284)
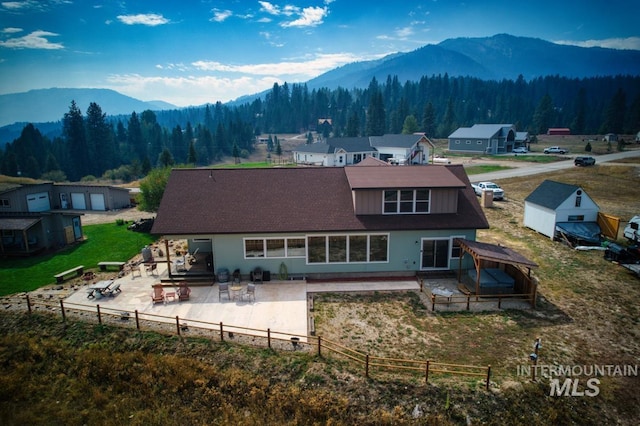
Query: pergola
(484, 254)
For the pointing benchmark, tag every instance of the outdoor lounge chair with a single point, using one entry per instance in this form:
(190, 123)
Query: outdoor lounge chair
(183, 292)
(250, 292)
(151, 268)
(223, 289)
(158, 294)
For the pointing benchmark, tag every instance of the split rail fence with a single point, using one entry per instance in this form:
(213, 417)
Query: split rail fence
(273, 339)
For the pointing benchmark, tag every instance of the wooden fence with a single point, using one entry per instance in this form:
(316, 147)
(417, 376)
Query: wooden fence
(467, 299)
(273, 339)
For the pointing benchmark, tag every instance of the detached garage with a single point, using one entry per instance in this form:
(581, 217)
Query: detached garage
(558, 208)
(92, 197)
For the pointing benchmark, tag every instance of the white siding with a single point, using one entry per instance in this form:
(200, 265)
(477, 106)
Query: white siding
(540, 219)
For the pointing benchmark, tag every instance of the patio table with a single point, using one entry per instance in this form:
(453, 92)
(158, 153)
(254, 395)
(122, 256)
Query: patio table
(236, 290)
(442, 292)
(98, 288)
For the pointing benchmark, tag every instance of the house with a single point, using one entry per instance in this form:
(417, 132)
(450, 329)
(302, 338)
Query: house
(484, 139)
(403, 149)
(40, 216)
(339, 152)
(561, 210)
(364, 220)
(610, 137)
(335, 152)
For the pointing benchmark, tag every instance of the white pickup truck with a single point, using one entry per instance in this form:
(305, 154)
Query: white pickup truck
(498, 193)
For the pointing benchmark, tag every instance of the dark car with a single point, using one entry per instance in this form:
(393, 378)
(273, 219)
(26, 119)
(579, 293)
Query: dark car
(584, 161)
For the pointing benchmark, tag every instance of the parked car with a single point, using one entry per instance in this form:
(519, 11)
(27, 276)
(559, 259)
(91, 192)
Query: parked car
(478, 188)
(632, 230)
(584, 161)
(555, 150)
(520, 150)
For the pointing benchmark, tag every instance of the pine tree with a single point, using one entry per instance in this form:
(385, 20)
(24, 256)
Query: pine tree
(544, 115)
(410, 125)
(429, 120)
(74, 132)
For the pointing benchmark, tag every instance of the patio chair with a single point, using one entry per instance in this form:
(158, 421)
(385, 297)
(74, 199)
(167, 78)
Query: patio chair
(257, 275)
(223, 288)
(183, 292)
(151, 268)
(250, 292)
(158, 294)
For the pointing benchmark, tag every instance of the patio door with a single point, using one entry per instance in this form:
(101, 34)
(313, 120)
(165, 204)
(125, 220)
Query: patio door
(435, 253)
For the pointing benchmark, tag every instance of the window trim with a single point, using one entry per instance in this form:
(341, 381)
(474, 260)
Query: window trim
(265, 251)
(399, 201)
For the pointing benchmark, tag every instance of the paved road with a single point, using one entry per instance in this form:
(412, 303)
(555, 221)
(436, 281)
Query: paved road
(545, 168)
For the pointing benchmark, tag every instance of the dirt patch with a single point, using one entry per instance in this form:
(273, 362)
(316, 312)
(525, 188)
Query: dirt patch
(130, 215)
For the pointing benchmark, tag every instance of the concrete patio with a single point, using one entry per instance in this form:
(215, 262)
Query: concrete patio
(281, 306)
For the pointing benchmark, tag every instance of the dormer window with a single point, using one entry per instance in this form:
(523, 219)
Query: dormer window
(406, 201)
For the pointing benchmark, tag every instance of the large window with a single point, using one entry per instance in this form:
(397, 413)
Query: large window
(348, 248)
(274, 247)
(406, 201)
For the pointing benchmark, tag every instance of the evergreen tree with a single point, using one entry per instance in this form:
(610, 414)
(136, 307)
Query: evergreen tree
(375, 115)
(543, 116)
(615, 113)
(192, 158)
(353, 125)
(579, 122)
(135, 139)
(100, 142)
(165, 159)
(429, 120)
(74, 132)
(410, 125)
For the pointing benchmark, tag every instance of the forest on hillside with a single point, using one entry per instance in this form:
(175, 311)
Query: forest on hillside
(96, 145)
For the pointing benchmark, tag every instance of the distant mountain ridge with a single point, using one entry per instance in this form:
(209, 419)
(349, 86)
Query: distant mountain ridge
(499, 57)
(47, 105)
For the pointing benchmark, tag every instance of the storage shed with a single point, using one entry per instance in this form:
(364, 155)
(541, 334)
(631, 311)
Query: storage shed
(560, 207)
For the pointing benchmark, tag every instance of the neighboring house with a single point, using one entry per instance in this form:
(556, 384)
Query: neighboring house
(522, 139)
(484, 139)
(555, 207)
(403, 149)
(364, 220)
(338, 152)
(36, 217)
(335, 152)
(610, 137)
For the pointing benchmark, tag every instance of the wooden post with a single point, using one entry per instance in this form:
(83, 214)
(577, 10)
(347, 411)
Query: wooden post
(421, 285)
(488, 376)
(221, 332)
(99, 316)
(178, 325)
(468, 301)
(319, 346)
(137, 320)
(28, 304)
(499, 302)
(366, 367)
(269, 338)
(166, 251)
(64, 317)
(433, 302)
(426, 373)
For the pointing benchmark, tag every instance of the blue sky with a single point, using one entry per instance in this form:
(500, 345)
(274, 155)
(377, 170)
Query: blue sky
(195, 52)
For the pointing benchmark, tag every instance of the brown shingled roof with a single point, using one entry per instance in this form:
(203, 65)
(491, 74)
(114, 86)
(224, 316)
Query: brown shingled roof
(225, 201)
(401, 177)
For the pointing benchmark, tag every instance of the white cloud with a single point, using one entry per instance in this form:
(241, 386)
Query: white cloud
(221, 15)
(629, 43)
(190, 90)
(310, 17)
(269, 8)
(149, 19)
(301, 69)
(35, 40)
(11, 30)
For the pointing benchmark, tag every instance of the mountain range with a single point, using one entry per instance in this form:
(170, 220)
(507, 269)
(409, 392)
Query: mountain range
(498, 57)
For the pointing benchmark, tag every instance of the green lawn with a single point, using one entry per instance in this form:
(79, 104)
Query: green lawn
(105, 242)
